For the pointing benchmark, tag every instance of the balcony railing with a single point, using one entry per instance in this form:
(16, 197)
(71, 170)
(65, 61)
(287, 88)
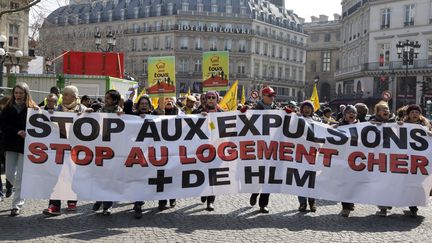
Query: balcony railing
(377, 66)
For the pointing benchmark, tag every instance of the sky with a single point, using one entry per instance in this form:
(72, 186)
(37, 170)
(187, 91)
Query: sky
(303, 8)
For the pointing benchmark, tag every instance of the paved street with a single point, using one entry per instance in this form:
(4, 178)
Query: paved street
(232, 221)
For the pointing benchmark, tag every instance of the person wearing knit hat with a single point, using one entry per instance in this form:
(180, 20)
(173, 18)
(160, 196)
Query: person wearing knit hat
(362, 111)
(413, 107)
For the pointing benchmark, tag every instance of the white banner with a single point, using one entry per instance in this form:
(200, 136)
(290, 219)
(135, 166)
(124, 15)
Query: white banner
(107, 157)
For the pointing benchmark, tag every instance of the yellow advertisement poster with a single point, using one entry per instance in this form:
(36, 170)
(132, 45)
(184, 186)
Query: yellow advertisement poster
(215, 70)
(161, 77)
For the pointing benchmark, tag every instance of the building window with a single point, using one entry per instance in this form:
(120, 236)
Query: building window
(228, 9)
(288, 53)
(280, 52)
(385, 18)
(158, 10)
(13, 35)
(198, 65)
(326, 61)
(146, 27)
(287, 72)
(185, 6)
(168, 42)
(314, 37)
(257, 47)
(13, 5)
(200, 7)
(227, 45)
(273, 51)
(144, 44)
(145, 66)
(313, 66)
(265, 49)
(294, 73)
(280, 72)
(241, 68)
(158, 26)
(213, 44)
(300, 74)
(133, 44)
(198, 43)
(301, 54)
(135, 28)
(409, 15)
(295, 55)
(155, 42)
(183, 65)
(264, 71)
(214, 8)
(430, 51)
(184, 43)
(327, 37)
(256, 69)
(242, 45)
(384, 55)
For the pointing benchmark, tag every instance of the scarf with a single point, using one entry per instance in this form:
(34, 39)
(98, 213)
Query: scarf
(71, 107)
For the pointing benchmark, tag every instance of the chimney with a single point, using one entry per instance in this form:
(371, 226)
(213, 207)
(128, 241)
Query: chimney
(337, 16)
(314, 19)
(302, 20)
(323, 18)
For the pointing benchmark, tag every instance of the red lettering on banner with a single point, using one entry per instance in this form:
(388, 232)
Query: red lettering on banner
(183, 156)
(352, 161)
(246, 151)
(419, 163)
(284, 149)
(230, 148)
(152, 156)
(211, 153)
(381, 161)
(302, 152)
(396, 161)
(88, 158)
(328, 153)
(37, 149)
(269, 152)
(103, 153)
(136, 156)
(60, 150)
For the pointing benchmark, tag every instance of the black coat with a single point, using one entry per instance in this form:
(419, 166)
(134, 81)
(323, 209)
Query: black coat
(11, 122)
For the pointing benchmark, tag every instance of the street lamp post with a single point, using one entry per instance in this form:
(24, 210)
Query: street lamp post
(111, 41)
(4, 55)
(407, 51)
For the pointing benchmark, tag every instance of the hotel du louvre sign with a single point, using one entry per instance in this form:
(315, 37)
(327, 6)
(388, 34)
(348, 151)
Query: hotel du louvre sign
(217, 29)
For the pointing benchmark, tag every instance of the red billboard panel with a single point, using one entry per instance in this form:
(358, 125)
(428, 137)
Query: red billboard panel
(94, 63)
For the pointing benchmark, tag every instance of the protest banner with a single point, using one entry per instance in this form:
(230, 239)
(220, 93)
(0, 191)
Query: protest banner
(106, 157)
(215, 70)
(161, 77)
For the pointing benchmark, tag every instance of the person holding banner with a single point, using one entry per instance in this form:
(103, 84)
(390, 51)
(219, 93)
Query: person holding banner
(349, 117)
(70, 103)
(111, 105)
(266, 103)
(13, 124)
(212, 98)
(307, 111)
(166, 106)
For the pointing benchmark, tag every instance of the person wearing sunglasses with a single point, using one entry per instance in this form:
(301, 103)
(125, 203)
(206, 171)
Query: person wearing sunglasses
(212, 98)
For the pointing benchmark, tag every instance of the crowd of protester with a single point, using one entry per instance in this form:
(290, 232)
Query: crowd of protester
(13, 122)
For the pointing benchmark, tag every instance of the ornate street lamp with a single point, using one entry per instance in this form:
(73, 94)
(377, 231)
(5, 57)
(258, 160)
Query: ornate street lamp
(5, 55)
(407, 51)
(111, 41)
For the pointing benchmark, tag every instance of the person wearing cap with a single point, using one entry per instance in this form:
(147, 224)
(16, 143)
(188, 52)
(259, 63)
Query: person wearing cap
(307, 111)
(327, 118)
(266, 103)
(190, 105)
(212, 98)
(349, 117)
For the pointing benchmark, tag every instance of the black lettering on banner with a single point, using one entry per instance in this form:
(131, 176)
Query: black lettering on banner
(46, 129)
(389, 134)
(308, 176)
(61, 121)
(365, 136)
(419, 139)
(300, 127)
(77, 128)
(177, 127)
(195, 128)
(214, 176)
(107, 129)
(160, 180)
(249, 174)
(249, 125)
(311, 135)
(277, 122)
(354, 136)
(342, 137)
(272, 175)
(223, 126)
(186, 178)
(144, 134)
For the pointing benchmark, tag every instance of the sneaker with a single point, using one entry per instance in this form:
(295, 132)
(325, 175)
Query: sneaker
(52, 211)
(210, 207)
(413, 212)
(345, 213)
(173, 203)
(14, 212)
(137, 212)
(264, 210)
(382, 213)
(253, 199)
(203, 199)
(106, 211)
(302, 208)
(71, 207)
(8, 192)
(96, 206)
(312, 207)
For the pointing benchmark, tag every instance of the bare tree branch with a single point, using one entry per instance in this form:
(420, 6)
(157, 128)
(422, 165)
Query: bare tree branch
(19, 9)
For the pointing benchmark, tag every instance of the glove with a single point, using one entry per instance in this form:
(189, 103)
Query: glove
(244, 109)
(288, 110)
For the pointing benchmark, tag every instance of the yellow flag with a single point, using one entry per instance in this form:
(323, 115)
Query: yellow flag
(188, 93)
(314, 98)
(139, 96)
(243, 98)
(154, 101)
(229, 101)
